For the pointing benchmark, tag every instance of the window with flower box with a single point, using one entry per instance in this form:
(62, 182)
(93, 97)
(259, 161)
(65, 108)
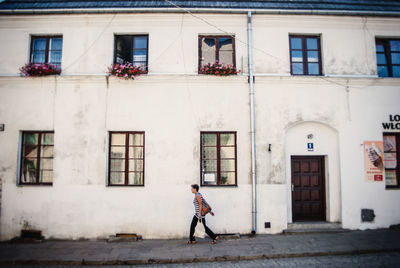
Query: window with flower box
(218, 158)
(216, 49)
(126, 159)
(37, 158)
(132, 49)
(305, 55)
(391, 145)
(388, 57)
(46, 49)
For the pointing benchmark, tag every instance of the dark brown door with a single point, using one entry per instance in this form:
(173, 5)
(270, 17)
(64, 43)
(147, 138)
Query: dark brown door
(308, 188)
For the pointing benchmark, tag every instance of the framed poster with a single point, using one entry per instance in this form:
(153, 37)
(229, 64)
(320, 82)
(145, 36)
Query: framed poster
(373, 161)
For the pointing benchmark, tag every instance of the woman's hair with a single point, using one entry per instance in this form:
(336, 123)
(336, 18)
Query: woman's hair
(195, 186)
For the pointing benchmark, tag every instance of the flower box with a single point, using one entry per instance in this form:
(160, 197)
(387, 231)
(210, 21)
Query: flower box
(39, 69)
(218, 69)
(125, 71)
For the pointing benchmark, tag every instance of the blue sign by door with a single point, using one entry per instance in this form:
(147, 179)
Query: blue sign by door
(310, 146)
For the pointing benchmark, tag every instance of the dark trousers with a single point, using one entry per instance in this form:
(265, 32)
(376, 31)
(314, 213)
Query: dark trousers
(193, 226)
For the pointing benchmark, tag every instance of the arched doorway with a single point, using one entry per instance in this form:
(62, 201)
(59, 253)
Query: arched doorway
(312, 173)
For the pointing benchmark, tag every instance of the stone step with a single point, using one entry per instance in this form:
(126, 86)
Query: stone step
(314, 225)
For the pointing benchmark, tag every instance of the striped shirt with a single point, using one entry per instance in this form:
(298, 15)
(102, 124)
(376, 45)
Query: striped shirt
(196, 204)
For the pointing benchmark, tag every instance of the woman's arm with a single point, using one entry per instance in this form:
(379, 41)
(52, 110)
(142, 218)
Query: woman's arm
(198, 198)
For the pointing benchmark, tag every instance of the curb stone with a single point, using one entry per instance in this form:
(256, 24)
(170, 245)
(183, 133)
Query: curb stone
(198, 259)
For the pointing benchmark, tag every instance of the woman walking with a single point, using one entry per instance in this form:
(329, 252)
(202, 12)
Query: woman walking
(198, 200)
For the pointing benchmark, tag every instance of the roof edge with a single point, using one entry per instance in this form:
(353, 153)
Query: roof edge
(199, 10)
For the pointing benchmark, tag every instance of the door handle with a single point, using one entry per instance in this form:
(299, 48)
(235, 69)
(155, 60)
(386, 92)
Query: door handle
(292, 187)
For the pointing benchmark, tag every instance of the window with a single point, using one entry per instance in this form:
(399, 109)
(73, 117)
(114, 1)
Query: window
(218, 158)
(388, 57)
(391, 145)
(46, 49)
(216, 48)
(126, 159)
(37, 158)
(305, 55)
(133, 49)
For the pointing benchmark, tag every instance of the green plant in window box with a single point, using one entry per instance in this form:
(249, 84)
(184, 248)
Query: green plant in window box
(218, 69)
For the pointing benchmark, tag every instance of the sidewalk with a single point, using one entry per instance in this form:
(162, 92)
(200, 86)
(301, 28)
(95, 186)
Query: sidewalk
(177, 251)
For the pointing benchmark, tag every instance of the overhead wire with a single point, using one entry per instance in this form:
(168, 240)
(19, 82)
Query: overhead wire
(252, 46)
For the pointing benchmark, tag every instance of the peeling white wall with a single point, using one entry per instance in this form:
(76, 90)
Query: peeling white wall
(82, 106)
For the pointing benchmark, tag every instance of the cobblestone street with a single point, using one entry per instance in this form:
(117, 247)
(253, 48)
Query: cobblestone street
(391, 259)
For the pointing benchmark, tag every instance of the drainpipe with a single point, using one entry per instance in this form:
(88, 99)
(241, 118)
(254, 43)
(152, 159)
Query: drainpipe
(252, 128)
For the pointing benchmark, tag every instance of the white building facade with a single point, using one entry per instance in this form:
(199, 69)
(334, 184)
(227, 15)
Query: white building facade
(88, 155)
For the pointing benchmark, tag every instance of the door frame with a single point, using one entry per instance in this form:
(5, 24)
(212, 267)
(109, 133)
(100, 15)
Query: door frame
(323, 184)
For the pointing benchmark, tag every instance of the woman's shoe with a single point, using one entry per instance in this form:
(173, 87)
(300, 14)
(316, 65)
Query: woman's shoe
(191, 242)
(215, 240)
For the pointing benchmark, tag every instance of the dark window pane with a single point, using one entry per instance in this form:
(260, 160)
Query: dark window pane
(140, 56)
(209, 152)
(391, 178)
(396, 71)
(55, 57)
(228, 178)
(28, 173)
(30, 151)
(39, 44)
(136, 139)
(31, 138)
(380, 48)
(297, 68)
(208, 51)
(135, 178)
(209, 165)
(117, 152)
(56, 44)
(117, 165)
(123, 48)
(136, 152)
(140, 42)
(117, 178)
(39, 57)
(209, 139)
(225, 44)
(47, 138)
(135, 165)
(227, 152)
(313, 68)
(312, 56)
(381, 58)
(390, 160)
(295, 43)
(395, 58)
(227, 165)
(227, 139)
(395, 45)
(383, 71)
(389, 143)
(312, 43)
(46, 176)
(297, 56)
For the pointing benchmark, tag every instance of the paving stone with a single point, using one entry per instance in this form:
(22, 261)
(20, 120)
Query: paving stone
(177, 251)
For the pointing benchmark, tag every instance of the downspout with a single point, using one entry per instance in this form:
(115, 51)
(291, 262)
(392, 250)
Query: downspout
(252, 128)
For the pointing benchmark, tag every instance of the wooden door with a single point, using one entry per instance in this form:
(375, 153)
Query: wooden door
(308, 188)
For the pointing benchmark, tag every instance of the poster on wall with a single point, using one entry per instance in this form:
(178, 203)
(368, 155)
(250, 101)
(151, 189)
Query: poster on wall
(373, 160)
